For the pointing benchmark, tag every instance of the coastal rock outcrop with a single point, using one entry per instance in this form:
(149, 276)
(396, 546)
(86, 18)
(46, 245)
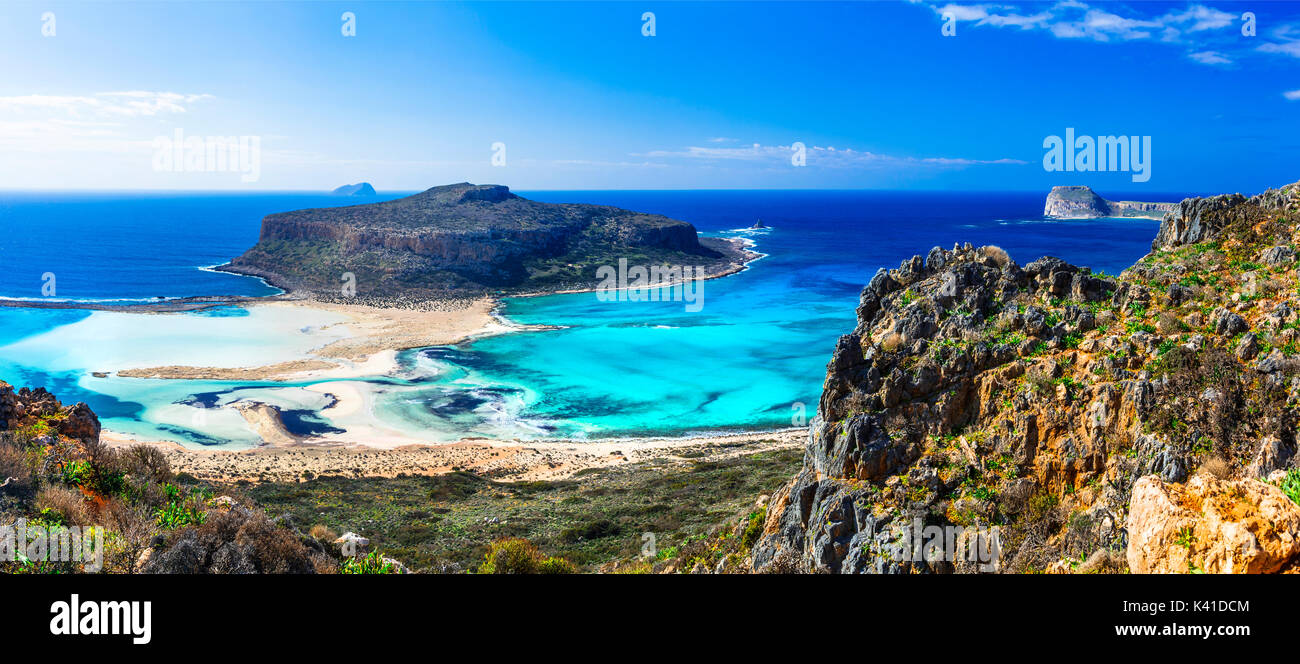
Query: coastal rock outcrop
(1080, 202)
(1198, 219)
(1096, 421)
(38, 412)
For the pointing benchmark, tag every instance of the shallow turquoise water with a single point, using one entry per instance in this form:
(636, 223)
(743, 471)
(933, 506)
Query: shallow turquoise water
(621, 368)
(752, 357)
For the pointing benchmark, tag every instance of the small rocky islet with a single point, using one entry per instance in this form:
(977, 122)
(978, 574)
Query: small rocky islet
(1081, 202)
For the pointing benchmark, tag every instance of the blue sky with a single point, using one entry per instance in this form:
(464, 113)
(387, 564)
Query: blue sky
(581, 99)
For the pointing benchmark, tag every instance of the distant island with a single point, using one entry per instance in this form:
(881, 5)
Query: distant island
(1079, 202)
(466, 240)
(358, 189)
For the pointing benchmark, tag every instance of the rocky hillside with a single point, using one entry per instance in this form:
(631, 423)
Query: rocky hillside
(1142, 422)
(1076, 202)
(466, 239)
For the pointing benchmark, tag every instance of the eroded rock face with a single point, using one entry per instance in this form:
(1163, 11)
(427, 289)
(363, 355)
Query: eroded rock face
(935, 339)
(1220, 527)
(973, 391)
(1198, 219)
(25, 407)
(1079, 202)
(1075, 202)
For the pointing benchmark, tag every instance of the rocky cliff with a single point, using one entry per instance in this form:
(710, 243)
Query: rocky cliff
(1144, 422)
(1077, 202)
(466, 239)
(41, 413)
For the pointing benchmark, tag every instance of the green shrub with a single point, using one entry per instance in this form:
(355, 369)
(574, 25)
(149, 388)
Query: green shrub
(515, 555)
(753, 529)
(1290, 485)
(371, 563)
(555, 565)
(181, 510)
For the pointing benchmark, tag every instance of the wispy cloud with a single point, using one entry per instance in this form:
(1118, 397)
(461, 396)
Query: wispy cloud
(817, 156)
(1293, 95)
(98, 122)
(1291, 48)
(1197, 26)
(133, 103)
(1210, 58)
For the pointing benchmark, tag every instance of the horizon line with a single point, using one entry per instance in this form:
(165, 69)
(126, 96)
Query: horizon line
(378, 192)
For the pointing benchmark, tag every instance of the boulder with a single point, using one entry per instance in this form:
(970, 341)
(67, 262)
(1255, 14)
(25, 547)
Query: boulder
(352, 544)
(1227, 323)
(1277, 256)
(1211, 525)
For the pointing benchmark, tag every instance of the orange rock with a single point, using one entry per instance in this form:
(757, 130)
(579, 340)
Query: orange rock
(1223, 527)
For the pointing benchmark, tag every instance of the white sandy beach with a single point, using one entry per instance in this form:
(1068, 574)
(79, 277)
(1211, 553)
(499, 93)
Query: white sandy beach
(335, 341)
(503, 460)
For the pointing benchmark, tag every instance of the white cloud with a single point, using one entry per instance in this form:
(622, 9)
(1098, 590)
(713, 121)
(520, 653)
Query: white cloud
(1291, 48)
(1102, 26)
(1293, 95)
(105, 122)
(1210, 58)
(1202, 18)
(1073, 19)
(817, 156)
(134, 103)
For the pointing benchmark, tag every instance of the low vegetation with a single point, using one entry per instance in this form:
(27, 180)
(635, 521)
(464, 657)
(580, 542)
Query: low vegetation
(614, 519)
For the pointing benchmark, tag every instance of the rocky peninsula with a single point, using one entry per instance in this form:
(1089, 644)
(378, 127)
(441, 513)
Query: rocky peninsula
(465, 241)
(1079, 202)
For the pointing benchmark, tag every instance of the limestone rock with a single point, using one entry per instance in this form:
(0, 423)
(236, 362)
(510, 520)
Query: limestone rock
(1212, 525)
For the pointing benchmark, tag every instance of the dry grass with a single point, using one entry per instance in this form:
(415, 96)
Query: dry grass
(146, 461)
(997, 254)
(133, 527)
(1216, 467)
(1104, 561)
(68, 503)
(323, 533)
(1040, 380)
(1168, 323)
(13, 463)
(891, 342)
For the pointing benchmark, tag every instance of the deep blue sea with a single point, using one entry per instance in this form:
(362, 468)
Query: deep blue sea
(752, 357)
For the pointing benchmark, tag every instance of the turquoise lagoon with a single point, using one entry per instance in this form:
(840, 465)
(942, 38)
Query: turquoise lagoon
(752, 358)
